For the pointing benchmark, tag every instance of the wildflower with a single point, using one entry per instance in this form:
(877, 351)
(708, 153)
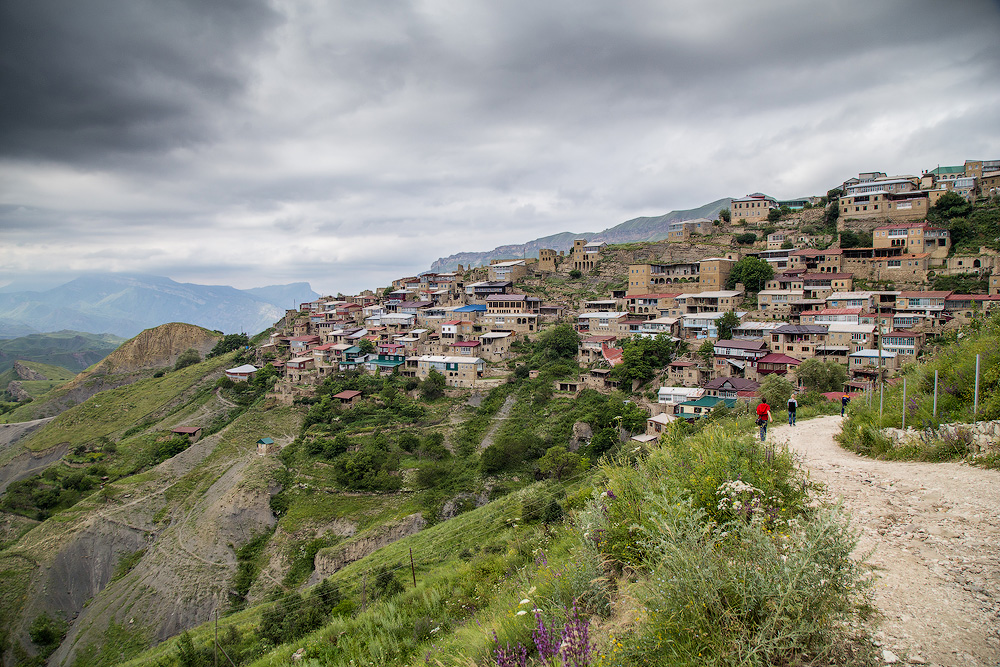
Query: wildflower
(522, 612)
(545, 640)
(524, 601)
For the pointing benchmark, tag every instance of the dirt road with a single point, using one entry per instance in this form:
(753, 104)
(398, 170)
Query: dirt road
(933, 530)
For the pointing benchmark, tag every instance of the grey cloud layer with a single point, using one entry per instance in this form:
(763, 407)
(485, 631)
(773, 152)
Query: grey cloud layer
(353, 135)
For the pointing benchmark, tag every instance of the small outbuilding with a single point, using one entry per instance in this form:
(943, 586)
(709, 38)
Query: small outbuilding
(265, 446)
(193, 433)
(348, 397)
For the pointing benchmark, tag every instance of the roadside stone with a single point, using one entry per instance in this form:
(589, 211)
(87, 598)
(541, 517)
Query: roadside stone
(889, 657)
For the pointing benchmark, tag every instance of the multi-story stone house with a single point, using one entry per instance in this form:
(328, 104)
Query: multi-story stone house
(906, 344)
(913, 238)
(590, 348)
(507, 269)
(732, 388)
(650, 278)
(455, 331)
(816, 261)
(606, 323)
(547, 259)
(683, 230)
(718, 301)
(964, 307)
(585, 256)
(751, 209)
(653, 304)
(687, 373)
(496, 345)
(778, 259)
(865, 365)
(483, 289)
(774, 363)
(713, 272)
(798, 340)
(776, 304)
(751, 330)
(828, 316)
(866, 301)
(842, 339)
(912, 205)
(989, 184)
(731, 356)
(600, 305)
(701, 325)
(457, 371)
(930, 305)
(667, 326)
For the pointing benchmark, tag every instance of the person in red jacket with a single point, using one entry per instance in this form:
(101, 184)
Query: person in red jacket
(763, 416)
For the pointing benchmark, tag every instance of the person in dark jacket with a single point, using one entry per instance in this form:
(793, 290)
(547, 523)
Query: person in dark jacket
(844, 400)
(792, 407)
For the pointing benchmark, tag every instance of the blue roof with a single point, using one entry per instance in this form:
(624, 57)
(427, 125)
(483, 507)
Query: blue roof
(473, 308)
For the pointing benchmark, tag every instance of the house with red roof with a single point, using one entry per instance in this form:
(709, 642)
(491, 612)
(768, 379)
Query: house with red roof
(781, 364)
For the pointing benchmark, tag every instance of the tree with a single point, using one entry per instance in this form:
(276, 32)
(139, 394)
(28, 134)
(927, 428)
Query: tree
(576, 274)
(433, 386)
(726, 324)
(366, 346)
(725, 215)
(752, 272)
(228, 343)
(562, 340)
(849, 239)
(787, 245)
(707, 352)
(833, 194)
(776, 390)
(746, 238)
(774, 215)
(558, 463)
(816, 375)
(188, 357)
(642, 357)
(951, 205)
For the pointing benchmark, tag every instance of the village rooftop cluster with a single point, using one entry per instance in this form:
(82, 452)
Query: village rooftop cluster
(462, 324)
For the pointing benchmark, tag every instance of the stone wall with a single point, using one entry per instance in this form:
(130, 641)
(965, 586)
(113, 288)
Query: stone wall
(983, 437)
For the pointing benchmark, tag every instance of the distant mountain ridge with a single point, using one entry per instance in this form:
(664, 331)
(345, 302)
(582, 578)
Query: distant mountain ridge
(636, 229)
(125, 304)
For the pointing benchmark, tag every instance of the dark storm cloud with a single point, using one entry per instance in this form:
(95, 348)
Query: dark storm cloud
(81, 80)
(345, 142)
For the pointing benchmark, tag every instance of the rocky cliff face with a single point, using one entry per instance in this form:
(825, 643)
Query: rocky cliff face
(25, 373)
(330, 560)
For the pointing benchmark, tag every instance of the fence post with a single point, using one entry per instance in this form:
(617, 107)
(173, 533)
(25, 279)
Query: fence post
(904, 404)
(975, 399)
(413, 570)
(935, 394)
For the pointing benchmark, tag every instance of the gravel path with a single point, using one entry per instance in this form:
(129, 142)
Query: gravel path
(498, 419)
(933, 532)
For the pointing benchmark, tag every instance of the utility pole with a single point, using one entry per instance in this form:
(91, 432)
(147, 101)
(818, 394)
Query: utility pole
(216, 637)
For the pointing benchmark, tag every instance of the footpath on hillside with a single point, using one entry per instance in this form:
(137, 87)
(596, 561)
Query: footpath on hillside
(933, 534)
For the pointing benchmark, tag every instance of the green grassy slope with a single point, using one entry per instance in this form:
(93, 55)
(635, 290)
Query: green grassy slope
(74, 350)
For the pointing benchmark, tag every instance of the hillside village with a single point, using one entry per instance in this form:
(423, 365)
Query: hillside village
(848, 278)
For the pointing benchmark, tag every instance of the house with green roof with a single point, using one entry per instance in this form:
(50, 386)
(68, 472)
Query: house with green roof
(702, 407)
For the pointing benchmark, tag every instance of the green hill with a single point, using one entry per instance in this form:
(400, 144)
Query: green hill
(73, 350)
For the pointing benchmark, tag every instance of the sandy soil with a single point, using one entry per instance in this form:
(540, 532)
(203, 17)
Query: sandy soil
(933, 534)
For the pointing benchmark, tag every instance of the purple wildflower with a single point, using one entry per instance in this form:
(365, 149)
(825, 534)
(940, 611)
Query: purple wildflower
(611, 495)
(508, 656)
(540, 559)
(576, 640)
(545, 640)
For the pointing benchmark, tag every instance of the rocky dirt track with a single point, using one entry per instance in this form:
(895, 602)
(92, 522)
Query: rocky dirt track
(933, 534)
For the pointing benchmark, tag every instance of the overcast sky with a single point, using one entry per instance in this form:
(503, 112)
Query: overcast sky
(250, 143)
